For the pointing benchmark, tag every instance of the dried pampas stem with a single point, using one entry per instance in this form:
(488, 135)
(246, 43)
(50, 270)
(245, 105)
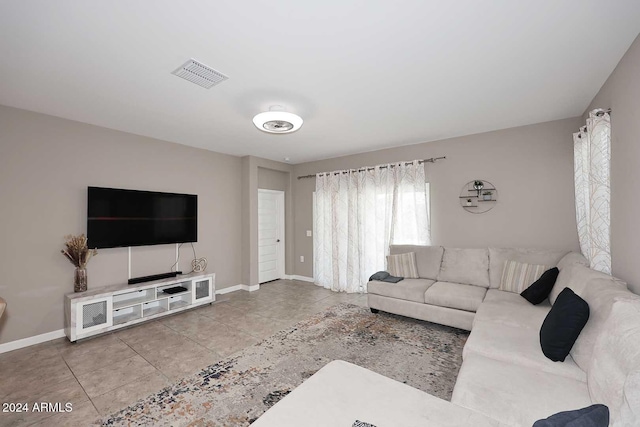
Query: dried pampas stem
(77, 251)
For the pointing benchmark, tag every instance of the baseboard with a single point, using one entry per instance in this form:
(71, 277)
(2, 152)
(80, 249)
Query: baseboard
(234, 288)
(301, 278)
(26, 342)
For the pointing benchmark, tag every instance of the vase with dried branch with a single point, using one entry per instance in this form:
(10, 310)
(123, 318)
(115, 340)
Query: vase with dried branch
(79, 254)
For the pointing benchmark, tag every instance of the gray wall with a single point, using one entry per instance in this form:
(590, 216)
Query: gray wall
(531, 166)
(270, 179)
(46, 164)
(621, 93)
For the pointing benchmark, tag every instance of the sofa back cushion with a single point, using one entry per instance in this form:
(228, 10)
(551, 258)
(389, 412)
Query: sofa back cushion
(599, 294)
(576, 277)
(615, 364)
(428, 258)
(572, 258)
(498, 257)
(466, 266)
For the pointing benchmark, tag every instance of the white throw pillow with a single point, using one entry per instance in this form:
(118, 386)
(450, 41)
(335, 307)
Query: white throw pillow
(403, 265)
(498, 256)
(518, 276)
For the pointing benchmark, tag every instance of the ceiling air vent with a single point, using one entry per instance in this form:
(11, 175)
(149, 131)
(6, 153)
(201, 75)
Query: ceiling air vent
(200, 74)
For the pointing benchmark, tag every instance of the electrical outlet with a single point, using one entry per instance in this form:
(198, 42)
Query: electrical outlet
(308, 233)
(301, 258)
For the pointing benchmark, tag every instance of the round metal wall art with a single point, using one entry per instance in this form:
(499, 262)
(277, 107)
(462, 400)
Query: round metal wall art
(478, 196)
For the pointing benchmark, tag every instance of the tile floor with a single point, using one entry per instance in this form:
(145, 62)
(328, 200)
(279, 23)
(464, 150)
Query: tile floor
(104, 374)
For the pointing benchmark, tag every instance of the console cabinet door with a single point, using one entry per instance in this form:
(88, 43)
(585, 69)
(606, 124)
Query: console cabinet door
(202, 289)
(94, 315)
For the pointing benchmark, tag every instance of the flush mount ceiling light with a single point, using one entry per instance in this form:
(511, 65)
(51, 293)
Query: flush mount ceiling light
(276, 120)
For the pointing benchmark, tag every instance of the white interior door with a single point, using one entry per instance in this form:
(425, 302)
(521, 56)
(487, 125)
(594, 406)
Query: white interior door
(270, 235)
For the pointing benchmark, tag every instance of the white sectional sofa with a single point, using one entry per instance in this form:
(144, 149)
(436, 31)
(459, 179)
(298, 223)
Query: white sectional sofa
(505, 379)
(453, 282)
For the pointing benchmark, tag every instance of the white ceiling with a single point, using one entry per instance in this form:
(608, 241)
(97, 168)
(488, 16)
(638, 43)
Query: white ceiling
(364, 75)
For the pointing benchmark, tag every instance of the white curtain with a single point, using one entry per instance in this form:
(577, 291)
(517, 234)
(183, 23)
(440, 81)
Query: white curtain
(358, 213)
(592, 164)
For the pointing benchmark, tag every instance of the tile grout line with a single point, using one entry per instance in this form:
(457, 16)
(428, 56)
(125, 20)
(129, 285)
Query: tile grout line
(185, 336)
(122, 385)
(144, 358)
(170, 380)
(136, 352)
(80, 384)
(56, 383)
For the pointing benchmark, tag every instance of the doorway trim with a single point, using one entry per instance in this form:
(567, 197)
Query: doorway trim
(281, 227)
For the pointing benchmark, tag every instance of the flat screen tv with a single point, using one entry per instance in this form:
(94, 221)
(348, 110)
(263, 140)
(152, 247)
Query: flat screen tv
(120, 218)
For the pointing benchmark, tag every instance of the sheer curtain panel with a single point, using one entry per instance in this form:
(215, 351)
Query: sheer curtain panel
(358, 213)
(592, 164)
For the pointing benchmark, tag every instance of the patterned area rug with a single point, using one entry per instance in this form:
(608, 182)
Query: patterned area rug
(240, 388)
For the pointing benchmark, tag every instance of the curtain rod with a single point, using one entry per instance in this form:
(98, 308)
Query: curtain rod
(431, 160)
(598, 114)
(602, 112)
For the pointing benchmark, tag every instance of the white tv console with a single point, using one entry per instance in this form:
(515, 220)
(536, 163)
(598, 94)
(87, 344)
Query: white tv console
(102, 310)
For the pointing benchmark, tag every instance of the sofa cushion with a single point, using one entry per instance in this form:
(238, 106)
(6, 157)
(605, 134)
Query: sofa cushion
(616, 361)
(498, 256)
(349, 392)
(591, 416)
(455, 295)
(563, 324)
(508, 308)
(428, 258)
(520, 346)
(575, 277)
(418, 310)
(540, 289)
(403, 265)
(407, 289)
(518, 276)
(599, 294)
(513, 394)
(572, 258)
(468, 266)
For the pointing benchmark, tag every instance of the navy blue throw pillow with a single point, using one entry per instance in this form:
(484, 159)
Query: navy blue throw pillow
(541, 288)
(591, 416)
(563, 324)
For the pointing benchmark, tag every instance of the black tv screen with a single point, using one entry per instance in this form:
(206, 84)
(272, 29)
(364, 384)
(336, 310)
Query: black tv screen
(120, 218)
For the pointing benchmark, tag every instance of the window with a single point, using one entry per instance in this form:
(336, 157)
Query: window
(359, 213)
(405, 231)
